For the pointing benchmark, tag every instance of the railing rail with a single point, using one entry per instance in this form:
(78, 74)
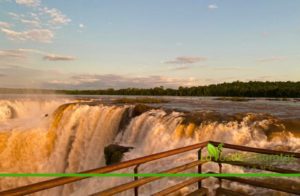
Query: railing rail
(130, 185)
(260, 167)
(262, 184)
(255, 150)
(177, 187)
(32, 188)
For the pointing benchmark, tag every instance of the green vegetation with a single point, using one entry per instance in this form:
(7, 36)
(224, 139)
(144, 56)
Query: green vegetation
(234, 89)
(140, 100)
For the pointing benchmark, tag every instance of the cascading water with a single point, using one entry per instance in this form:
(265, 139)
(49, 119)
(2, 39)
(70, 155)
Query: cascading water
(59, 136)
(71, 139)
(157, 131)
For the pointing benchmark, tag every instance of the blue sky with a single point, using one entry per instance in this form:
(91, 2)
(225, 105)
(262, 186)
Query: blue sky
(137, 43)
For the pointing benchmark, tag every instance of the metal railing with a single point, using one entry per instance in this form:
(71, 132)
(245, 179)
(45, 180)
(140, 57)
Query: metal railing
(136, 183)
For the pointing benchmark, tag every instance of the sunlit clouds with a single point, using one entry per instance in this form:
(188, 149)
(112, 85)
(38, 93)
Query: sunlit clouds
(4, 25)
(24, 53)
(38, 25)
(186, 60)
(31, 3)
(36, 35)
(54, 57)
(122, 44)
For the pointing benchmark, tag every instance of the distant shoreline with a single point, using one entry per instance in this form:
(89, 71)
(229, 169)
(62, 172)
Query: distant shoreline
(234, 89)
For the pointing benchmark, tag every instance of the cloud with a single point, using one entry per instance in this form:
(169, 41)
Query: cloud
(272, 59)
(12, 54)
(186, 60)
(53, 57)
(14, 16)
(25, 77)
(24, 53)
(31, 22)
(4, 25)
(40, 22)
(30, 19)
(57, 17)
(37, 35)
(21, 76)
(30, 3)
(180, 67)
(212, 6)
(87, 81)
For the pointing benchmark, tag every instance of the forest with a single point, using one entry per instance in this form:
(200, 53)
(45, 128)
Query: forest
(233, 89)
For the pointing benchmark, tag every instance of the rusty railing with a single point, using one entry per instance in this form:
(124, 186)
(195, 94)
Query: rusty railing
(136, 183)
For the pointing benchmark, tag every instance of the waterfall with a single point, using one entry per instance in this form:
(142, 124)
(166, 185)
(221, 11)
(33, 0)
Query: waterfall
(156, 131)
(61, 136)
(71, 139)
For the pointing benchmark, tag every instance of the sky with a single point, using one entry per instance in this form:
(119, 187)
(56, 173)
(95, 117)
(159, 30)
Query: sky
(99, 44)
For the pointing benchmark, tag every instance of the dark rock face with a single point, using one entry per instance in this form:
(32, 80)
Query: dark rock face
(114, 153)
(140, 109)
(131, 113)
(126, 117)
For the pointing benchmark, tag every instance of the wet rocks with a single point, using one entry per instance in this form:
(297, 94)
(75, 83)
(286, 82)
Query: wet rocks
(114, 153)
(140, 109)
(130, 113)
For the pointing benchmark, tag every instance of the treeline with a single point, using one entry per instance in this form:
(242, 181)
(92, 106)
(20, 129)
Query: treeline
(234, 89)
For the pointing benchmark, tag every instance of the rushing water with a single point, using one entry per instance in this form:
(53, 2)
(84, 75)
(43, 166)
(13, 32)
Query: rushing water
(65, 134)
